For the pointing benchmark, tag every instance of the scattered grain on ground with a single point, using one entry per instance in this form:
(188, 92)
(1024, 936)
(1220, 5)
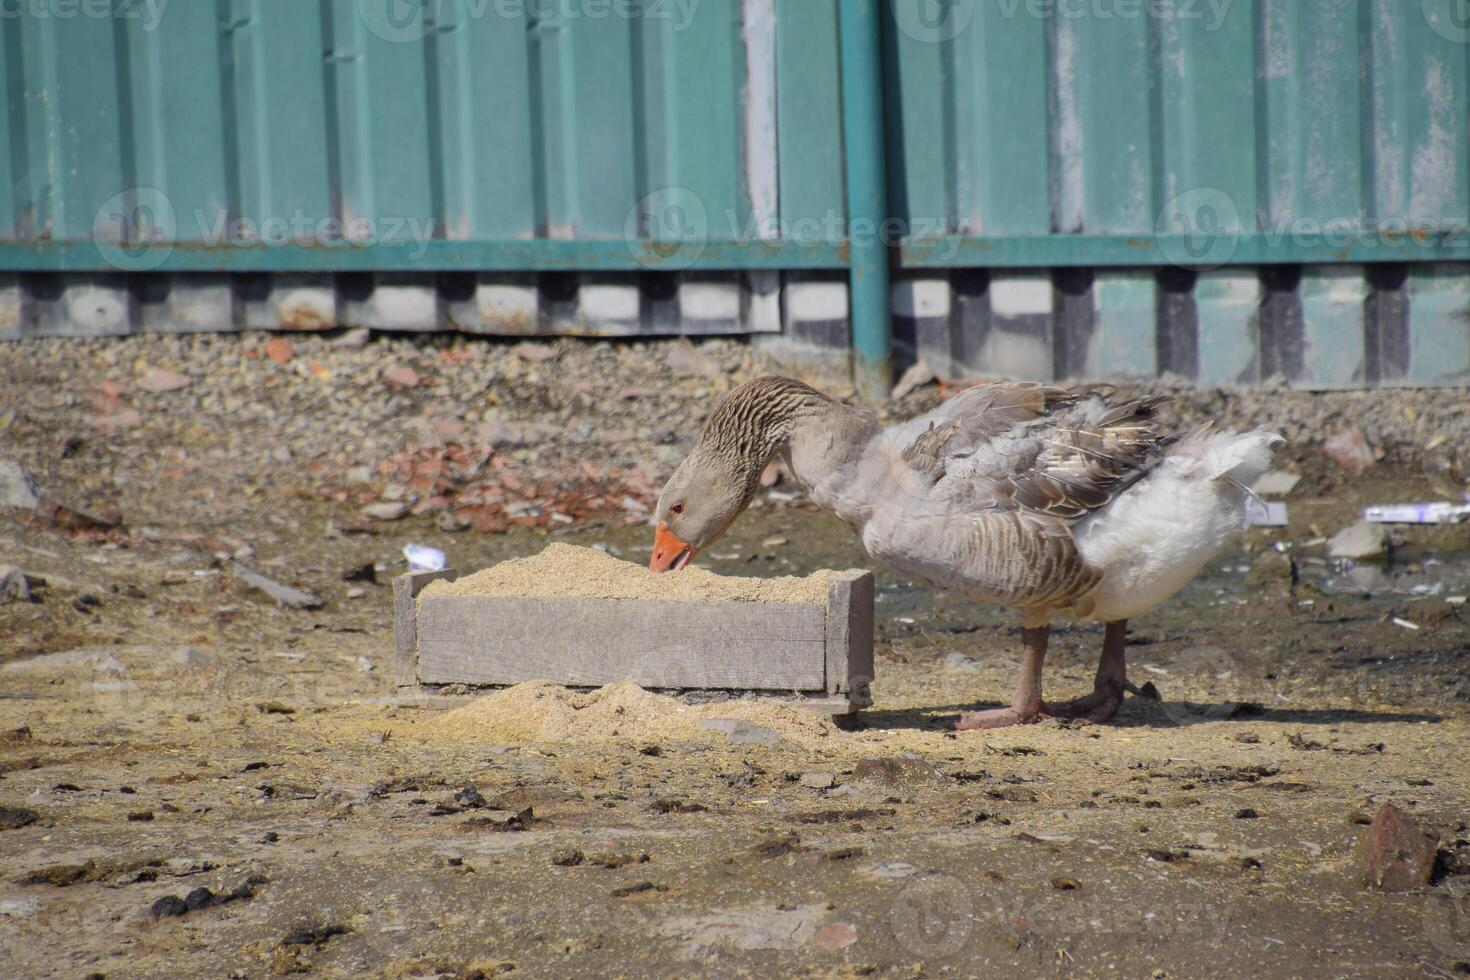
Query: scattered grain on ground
(541, 711)
(565, 571)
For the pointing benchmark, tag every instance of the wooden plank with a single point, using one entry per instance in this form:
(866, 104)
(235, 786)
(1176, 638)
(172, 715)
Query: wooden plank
(586, 642)
(850, 636)
(406, 589)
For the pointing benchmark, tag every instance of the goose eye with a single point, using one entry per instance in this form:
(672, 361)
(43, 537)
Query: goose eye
(677, 509)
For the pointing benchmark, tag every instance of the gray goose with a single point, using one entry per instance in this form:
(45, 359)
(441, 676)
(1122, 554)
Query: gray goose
(1043, 499)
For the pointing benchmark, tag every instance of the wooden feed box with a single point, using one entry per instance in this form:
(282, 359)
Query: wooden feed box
(820, 653)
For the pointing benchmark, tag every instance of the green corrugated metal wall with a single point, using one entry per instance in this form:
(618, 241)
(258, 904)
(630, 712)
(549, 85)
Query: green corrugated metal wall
(1224, 189)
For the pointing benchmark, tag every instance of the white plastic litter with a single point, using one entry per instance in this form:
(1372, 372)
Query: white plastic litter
(1265, 513)
(422, 558)
(1439, 512)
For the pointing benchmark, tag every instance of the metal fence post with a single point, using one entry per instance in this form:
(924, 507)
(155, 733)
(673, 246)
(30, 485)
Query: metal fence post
(860, 38)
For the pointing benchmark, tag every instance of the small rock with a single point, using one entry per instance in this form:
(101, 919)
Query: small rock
(355, 339)
(1398, 854)
(284, 594)
(675, 805)
(167, 907)
(386, 511)
(1246, 814)
(314, 935)
(160, 381)
(279, 350)
(1349, 449)
(17, 586)
(638, 889)
(1361, 540)
(198, 898)
(141, 816)
(834, 936)
(118, 421)
(17, 489)
(502, 820)
(818, 780)
(741, 732)
(469, 798)
(958, 661)
(895, 770)
(15, 817)
(1062, 883)
(535, 353)
(402, 376)
(688, 361)
(567, 859)
(451, 523)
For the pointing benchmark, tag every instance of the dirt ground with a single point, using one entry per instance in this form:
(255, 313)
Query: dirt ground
(164, 727)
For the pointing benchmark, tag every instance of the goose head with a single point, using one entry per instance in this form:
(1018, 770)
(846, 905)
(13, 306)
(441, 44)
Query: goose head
(699, 503)
(720, 477)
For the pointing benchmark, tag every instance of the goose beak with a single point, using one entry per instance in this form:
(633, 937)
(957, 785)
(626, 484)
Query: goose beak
(669, 553)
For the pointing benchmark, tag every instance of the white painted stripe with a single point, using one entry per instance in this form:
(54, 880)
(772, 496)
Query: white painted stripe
(709, 301)
(764, 313)
(1012, 296)
(921, 298)
(611, 303)
(816, 301)
(761, 139)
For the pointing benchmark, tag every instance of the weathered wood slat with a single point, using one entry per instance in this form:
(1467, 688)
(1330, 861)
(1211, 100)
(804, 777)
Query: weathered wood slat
(406, 589)
(585, 642)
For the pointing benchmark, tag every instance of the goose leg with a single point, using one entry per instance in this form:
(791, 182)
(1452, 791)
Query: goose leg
(1112, 681)
(1026, 708)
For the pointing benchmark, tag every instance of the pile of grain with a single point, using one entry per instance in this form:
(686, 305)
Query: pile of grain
(540, 711)
(565, 571)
